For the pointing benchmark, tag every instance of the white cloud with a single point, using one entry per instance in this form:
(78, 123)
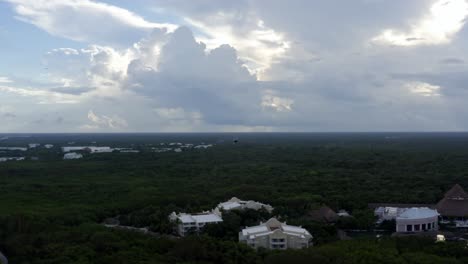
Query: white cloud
(445, 19)
(85, 20)
(423, 89)
(279, 104)
(42, 96)
(104, 122)
(258, 46)
(99, 67)
(5, 80)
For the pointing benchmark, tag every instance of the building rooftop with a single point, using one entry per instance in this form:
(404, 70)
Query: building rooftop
(374, 206)
(323, 214)
(295, 229)
(418, 213)
(207, 218)
(454, 203)
(197, 218)
(273, 225)
(236, 203)
(229, 205)
(456, 193)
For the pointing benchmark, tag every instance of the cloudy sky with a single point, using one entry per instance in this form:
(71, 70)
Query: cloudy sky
(244, 65)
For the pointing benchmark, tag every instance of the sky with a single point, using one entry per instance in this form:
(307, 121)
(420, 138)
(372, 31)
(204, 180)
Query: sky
(233, 66)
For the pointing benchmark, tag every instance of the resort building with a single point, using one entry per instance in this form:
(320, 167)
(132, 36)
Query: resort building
(194, 223)
(276, 235)
(418, 219)
(408, 218)
(454, 207)
(91, 149)
(237, 204)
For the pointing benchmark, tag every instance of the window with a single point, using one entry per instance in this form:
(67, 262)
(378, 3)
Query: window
(278, 246)
(409, 228)
(277, 240)
(424, 227)
(417, 227)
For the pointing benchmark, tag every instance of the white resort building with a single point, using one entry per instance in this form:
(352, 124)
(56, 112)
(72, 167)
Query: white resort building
(193, 223)
(417, 220)
(409, 219)
(276, 235)
(237, 204)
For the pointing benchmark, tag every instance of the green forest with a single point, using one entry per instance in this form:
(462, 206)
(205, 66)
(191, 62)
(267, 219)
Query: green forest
(52, 210)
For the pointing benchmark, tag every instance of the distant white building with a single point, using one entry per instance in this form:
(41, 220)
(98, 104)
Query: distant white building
(276, 235)
(72, 155)
(48, 146)
(237, 204)
(3, 159)
(203, 146)
(417, 220)
(33, 145)
(92, 149)
(194, 223)
(14, 148)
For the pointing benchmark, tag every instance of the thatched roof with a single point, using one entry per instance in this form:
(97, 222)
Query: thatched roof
(454, 203)
(456, 193)
(323, 214)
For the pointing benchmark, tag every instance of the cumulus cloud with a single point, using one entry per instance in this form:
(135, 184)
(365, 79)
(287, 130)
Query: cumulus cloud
(105, 122)
(259, 46)
(85, 20)
(251, 66)
(445, 19)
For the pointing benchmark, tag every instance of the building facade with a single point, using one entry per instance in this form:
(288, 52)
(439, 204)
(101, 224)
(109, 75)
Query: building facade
(416, 220)
(409, 219)
(276, 235)
(193, 223)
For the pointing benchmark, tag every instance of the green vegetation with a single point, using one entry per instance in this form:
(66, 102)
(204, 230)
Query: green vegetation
(51, 210)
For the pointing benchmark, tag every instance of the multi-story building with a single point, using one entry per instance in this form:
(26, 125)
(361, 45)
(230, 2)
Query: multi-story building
(276, 235)
(194, 223)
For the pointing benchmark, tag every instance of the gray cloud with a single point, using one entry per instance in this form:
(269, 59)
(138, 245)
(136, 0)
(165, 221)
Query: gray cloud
(72, 90)
(452, 61)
